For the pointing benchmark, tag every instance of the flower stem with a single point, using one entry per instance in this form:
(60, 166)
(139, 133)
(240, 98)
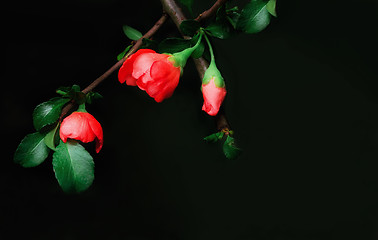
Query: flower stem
(180, 58)
(81, 108)
(212, 61)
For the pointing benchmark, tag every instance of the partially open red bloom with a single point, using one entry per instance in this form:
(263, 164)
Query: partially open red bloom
(213, 97)
(82, 126)
(152, 72)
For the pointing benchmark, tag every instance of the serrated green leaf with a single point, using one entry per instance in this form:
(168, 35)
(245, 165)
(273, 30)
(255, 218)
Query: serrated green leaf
(50, 138)
(271, 7)
(254, 17)
(32, 150)
(189, 27)
(131, 33)
(122, 54)
(229, 148)
(73, 167)
(48, 112)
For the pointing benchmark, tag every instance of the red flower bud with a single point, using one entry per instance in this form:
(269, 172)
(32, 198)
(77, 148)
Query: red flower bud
(155, 73)
(213, 97)
(82, 126)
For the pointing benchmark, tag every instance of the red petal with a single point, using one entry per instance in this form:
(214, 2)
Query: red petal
(165, 80)
(97, 130)
(144, 62)
(213, 98)
(125, 72)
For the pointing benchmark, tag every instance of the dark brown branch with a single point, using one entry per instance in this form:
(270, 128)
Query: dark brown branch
(116, 66)
(211, 11)
(176, 14)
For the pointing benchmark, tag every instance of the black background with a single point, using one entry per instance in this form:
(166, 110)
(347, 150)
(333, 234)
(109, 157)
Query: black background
(302, 100)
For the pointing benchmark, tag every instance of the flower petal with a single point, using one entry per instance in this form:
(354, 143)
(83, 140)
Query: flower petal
(125, 72)
(165, 80)
(213, 97)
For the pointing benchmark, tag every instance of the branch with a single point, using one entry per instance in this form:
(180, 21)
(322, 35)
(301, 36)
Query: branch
(104, 76)
(211, 11)
(132, 50)
(175, 12)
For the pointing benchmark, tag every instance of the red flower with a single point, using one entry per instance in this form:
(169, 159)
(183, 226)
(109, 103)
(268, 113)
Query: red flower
(155, 73)
(213, 96)
(82, 126)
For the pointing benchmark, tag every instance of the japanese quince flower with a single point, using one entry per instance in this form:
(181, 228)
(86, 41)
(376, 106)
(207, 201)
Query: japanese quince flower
(213, 90)
(155, 73)
(82, 126)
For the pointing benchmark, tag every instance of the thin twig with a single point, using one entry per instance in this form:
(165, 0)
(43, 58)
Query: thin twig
(132, 50)
(116, 66)
(211, 11)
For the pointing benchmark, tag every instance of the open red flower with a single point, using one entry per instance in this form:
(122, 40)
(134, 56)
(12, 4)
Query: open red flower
(157, 74)
(82, 126)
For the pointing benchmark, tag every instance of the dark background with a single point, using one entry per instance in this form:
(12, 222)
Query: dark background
(302, 100)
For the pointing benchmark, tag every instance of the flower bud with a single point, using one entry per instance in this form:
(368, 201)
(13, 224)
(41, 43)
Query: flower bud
(213, 90)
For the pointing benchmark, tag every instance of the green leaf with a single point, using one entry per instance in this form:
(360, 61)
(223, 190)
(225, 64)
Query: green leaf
(188, 4)
(219, 30)
(50, 138)
(122, 54)
(189, 27)
(73, 167)
(32, 150)
(92, 96)
(215, 137)
(254, 17)
(131, 33)
(173, 45)
(271, 7)
(48, 112)
(149, 43)
(229, 148)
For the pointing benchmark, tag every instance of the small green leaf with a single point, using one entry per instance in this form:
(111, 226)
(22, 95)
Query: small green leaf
(32, 150)
(254, 17)
(271, 7)
(148, 43)
(131, 33)
(92, 96)
(122, 54)
(229, 148)
(189, 27)
(48, 112)
(73, 166)
(50, 138)
(215, 137)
